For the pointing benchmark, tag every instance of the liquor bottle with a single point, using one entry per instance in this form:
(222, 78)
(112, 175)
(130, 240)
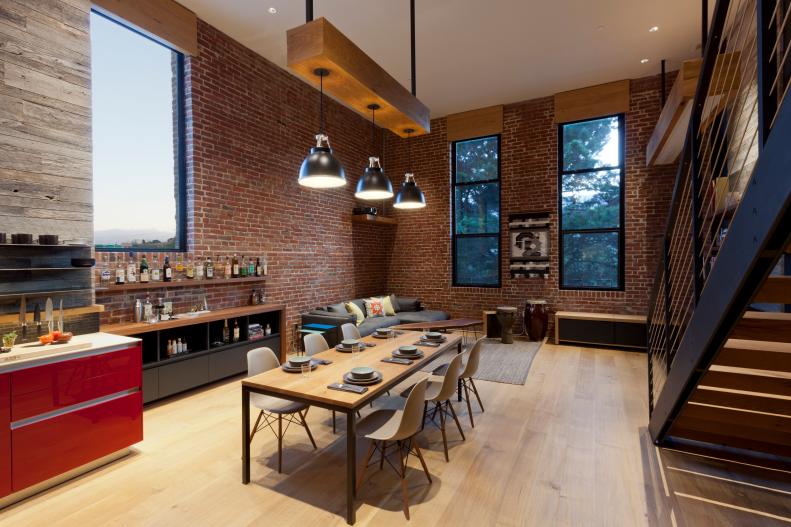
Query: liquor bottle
(199, 269)
(228, 269)
(156, 273)
(167, 271)
(209, 268)
(226, 335)
(105, 274)
(258, 269)
(190, 269)
(145, 275)
(148, 309)
(236, 331)
(242, 267)
(235, 267)
(179, 264)
(254, 298)
(131, 269)
(265, 271)
(169, 349)
(120, 273)
(268, 329)
(250, 267)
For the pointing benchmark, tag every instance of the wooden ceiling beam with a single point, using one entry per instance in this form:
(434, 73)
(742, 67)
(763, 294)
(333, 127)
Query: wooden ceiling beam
(355, 79)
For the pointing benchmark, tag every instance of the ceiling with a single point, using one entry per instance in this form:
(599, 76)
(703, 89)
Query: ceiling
(472, 54)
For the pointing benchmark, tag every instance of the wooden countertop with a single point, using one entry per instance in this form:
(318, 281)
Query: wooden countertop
(136, 328)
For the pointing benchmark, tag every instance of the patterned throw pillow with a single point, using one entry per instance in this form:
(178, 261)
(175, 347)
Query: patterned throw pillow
(352, 308)
(388, 303)
(375, 307)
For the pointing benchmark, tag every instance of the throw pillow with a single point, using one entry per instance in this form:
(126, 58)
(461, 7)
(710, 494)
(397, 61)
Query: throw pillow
(352, 308)
(394, 302)
(375, 307)
(408, 304)
(389, 308)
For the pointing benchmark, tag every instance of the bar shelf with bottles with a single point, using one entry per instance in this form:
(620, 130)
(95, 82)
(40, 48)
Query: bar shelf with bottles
(182, 354)
(130, 273)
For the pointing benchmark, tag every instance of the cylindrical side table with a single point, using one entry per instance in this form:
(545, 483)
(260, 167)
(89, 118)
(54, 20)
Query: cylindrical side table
(536, 319)
(506, 315)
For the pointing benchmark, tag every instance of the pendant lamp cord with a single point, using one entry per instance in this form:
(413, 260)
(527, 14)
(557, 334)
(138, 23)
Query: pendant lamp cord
(373, 127)
(409, 151)
(321, 104)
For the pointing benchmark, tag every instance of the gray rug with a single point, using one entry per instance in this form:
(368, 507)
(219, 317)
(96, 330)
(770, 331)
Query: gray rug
(505, 363)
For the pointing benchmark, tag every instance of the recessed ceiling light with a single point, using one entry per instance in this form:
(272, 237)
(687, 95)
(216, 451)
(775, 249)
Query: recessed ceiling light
(272, 11)
(653, 29)
(643, 61)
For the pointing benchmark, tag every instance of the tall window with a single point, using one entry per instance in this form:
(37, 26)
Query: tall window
(476, 212)
(591, 204)
(138, 140)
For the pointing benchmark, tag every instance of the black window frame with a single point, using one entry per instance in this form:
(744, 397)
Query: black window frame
(621, 229)
(498, 235)
(180, 156)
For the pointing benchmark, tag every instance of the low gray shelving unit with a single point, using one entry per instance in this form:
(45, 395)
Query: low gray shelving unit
(207, 360)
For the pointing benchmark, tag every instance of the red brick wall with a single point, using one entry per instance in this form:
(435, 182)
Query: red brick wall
(251, 126)
(422, 258)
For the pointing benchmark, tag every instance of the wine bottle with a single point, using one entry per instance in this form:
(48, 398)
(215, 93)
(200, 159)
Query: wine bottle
(258, 269)
(226, 335)
(190, 269)
(228, 269)
(235, 267)
(242, 267)
(167, 271)
(145, 275)
(131, 269)
(209, 269)
(179, 263)
(156, 273)
(120, 273)
(236, 331)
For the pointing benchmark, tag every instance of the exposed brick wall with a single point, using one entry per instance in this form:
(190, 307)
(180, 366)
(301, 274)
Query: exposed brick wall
(251, 126)
(422, 258)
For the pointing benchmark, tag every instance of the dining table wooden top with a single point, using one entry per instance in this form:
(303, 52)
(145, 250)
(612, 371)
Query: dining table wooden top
(314, 388)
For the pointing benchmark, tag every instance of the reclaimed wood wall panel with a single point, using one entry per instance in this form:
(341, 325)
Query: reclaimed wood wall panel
(45, 118)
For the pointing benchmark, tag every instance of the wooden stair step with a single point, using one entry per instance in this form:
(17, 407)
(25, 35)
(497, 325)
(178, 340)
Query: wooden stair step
(761, 384)
(756, 354)
(758, 325)
(744, 401)
(775, 290)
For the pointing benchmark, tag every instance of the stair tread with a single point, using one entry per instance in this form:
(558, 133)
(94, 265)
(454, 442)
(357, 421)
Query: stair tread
(751, 371)
(759, 345)
(775, 290)
(767, 316)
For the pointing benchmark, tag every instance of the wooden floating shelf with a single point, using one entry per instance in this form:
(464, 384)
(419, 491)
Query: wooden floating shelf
(180, 283)
(137, 328)
(372, 218)
(53, 292)
(34, 245)
(355, 79)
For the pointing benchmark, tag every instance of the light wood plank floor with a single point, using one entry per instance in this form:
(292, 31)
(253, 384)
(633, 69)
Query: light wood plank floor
(568, 448)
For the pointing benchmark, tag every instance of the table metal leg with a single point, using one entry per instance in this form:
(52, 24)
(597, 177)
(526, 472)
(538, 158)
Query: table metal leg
(245, 435)
(458, 384)
(351, 467)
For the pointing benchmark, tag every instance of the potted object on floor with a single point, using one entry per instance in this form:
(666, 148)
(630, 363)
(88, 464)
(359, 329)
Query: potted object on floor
(536, 319)
(506, 315)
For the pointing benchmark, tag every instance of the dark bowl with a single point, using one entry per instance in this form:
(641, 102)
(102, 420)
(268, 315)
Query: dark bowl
(47, 239)
(3, 238)
(83, 262)
(22, 239)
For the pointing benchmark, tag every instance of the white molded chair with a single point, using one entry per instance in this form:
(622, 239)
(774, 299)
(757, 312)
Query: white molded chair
(400, 426)
(469, 368)
(271, 408)
(350, 331)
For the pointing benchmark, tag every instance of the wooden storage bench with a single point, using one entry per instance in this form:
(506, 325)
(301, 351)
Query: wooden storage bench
(605, 329)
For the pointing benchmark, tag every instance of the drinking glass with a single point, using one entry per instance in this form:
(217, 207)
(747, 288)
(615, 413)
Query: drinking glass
(305, 368)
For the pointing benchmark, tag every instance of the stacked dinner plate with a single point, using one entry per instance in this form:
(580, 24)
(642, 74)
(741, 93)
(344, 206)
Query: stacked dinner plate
(295, 362)
(383, 333)
(407, 352)
(349, 345)
(432, 336)
(362, 375)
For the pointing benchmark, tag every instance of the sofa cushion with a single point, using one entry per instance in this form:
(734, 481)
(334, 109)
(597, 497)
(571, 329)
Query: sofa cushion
(426, 315)
(360, 302)
(340, 307)
(407, 304)
(394, 303)
(388, 303)
(355, 310)
(375, 307)
(372, 324)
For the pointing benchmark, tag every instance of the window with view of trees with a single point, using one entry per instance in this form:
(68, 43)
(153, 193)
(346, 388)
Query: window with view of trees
(591, 204)
(138, 140)
(476, 212)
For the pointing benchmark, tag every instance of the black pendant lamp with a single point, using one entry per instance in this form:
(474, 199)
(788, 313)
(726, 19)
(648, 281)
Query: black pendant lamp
(374, 184)
(321, 169)
(409, 195)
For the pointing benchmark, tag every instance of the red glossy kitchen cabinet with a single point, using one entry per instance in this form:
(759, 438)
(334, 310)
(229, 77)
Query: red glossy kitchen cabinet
(5, 434)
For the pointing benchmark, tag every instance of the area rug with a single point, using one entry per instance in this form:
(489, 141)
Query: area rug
(505, 363)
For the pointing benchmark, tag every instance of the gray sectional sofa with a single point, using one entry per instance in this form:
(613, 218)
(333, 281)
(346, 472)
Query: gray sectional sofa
(408, 310)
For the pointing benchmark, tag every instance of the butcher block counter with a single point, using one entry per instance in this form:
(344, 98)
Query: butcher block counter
(65, 409)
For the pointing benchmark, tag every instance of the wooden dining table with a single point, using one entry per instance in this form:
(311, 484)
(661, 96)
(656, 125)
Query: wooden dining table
(313, 390)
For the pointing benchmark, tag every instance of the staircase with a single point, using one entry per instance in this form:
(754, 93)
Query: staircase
(719, 355)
